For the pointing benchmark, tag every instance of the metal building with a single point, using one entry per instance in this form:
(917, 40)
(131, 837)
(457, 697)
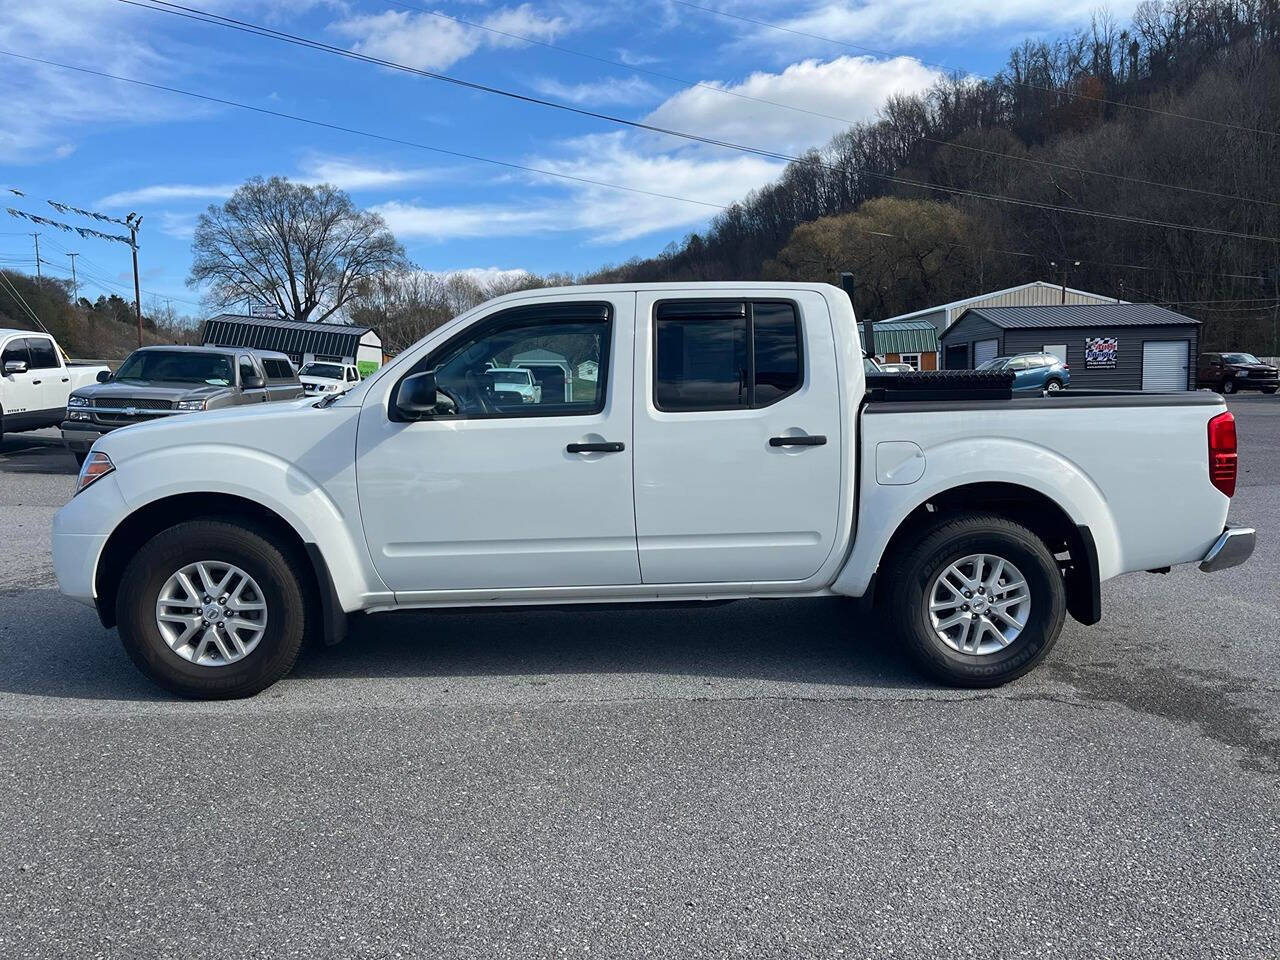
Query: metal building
(1034, 294)
(302, 341)
(1116, 346)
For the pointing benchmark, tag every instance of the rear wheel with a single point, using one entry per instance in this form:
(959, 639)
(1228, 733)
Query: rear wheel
(978, 600)
(1053, 386)
(210, 609)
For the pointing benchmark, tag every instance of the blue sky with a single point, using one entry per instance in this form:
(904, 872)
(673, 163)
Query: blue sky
(118, 148)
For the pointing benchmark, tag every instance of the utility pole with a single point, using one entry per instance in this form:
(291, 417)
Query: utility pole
(75, 287)
(1062, 274)
(133, 221)
(39, 278)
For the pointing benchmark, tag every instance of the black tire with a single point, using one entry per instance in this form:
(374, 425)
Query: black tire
(1228, 387)
(1270, 390)
(80, 457)
(912, 571)
(170, 550)
(1053, 383)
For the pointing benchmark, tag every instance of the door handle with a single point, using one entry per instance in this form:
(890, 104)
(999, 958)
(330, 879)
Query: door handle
(66, 379)
(614, 447)
(816, 440)
(36, 383)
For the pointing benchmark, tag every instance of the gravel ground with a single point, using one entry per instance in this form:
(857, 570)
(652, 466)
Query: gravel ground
(761, 779)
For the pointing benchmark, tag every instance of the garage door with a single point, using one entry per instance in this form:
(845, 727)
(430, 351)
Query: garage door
(1164, 365)
(984, 350)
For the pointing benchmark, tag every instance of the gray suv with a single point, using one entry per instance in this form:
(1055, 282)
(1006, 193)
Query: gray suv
(162, 381)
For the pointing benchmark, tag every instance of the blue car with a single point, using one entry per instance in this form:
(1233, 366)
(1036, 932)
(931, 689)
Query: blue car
(1033, 372)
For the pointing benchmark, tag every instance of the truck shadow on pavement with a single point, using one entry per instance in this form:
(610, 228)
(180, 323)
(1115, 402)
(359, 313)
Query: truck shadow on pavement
(816, 641)
(36, 453)
(52, 647)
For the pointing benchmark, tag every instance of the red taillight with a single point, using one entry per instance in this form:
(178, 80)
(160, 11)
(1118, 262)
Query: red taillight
(1222, 453)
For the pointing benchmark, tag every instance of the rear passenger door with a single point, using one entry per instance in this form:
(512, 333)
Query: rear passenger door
(737, 438)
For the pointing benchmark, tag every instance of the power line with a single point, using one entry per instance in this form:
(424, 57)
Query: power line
(942, 66)
(201, 16)
(825, 116)
(549, 173)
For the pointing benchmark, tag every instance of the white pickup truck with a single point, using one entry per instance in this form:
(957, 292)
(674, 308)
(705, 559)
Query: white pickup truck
(729, 448)
(35, 381)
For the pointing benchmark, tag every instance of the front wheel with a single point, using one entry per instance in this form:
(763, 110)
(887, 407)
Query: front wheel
(1228, 386)
(978, 600)
(1270, 390)
(211, 610)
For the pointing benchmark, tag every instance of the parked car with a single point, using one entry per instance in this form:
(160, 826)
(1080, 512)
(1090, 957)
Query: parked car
(1229, 372)
(897, 368)
(158, 382)
(728, 450)
(514, 380)
(36, 379)
(1033, 372)
(322, 376)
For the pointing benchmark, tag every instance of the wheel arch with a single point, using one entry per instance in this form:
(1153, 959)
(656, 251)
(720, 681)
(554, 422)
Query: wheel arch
(326, 618)
(1071, 542)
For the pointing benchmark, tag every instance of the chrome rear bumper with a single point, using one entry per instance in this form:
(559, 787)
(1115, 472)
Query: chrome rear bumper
(1233, 548)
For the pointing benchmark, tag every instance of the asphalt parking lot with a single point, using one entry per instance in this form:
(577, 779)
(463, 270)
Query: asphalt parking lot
(758, 779)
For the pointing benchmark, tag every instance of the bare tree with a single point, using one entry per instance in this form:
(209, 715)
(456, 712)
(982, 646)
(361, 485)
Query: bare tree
(304, 248)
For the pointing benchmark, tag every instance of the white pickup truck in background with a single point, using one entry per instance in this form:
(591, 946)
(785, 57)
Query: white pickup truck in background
(729, 448)
(36, 379)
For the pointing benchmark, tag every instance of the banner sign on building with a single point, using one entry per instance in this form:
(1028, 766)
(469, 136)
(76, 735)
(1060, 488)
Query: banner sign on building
(1100, 353)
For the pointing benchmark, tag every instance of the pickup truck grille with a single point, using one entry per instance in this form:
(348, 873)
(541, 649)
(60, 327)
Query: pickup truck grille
(122, 410)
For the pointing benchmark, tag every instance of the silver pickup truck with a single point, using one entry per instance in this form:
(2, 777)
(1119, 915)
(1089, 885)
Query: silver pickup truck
(156, 382)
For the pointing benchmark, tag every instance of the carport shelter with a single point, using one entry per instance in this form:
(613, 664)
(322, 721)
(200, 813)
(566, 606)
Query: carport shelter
(302, 341)
(1108, 346)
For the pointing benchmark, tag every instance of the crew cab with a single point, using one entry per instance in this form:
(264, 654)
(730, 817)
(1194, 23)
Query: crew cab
(1232, 371)
(35, 380)
(159, 382)
(729, 448)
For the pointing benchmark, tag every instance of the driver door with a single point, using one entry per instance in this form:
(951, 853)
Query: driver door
(494, 491)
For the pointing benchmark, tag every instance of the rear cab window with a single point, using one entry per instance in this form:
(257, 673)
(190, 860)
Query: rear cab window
(725, 354)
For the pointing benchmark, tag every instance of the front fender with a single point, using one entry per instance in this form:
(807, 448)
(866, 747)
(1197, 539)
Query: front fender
(957, 463)
(325, 514)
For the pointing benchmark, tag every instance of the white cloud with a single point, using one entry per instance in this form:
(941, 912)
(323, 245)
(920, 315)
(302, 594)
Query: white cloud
(409, 220)
(433, 43)
(348, 174)
(630, 90)
(482, 275)
(850, 88)
(162, 192)
(924, 21)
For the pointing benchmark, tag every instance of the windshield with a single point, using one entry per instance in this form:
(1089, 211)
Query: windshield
(177, 366)
(1240, 358)
(522, 377)
(330, 371)
(993, 364)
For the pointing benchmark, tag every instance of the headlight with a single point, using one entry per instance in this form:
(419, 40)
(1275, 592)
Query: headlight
(332, 388)
(78, 415)
(190, 405)
(74, 401)
(97, 466)
(1242, 373)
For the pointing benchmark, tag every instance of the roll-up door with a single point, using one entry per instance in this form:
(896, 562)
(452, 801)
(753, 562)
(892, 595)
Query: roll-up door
(1164, 365)
(984, 350)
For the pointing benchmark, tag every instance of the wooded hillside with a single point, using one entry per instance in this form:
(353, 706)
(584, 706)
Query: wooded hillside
(1171, 118)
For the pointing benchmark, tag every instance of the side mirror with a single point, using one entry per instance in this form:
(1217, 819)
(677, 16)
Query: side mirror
(254, 383)
(15, 366)
(417, 396)
(104, 376)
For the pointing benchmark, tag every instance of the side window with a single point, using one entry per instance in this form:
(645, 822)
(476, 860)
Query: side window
(521, 363)
(1018, 364)
(352, 377)
(247, 370)
(723, 355)
(15, 349)
(43, 355)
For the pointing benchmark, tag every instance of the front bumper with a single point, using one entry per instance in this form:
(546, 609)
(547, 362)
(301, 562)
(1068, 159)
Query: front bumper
(1231, 549)
(79, 435)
